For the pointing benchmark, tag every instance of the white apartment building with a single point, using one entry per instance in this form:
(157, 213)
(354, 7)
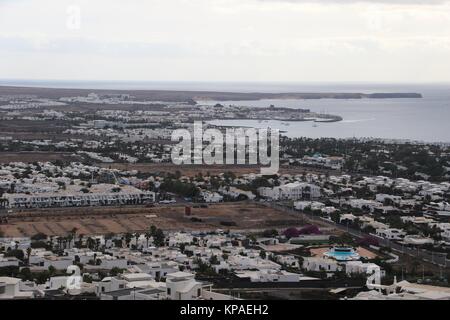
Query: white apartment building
(291, 191)
(17, 200)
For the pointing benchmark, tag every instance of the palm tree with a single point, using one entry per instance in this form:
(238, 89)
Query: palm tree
(152, 230)
(147, 237)
(70, 237)
(128, 237)
(136, 236)
(80, 240)
(90, 243)
(97, 244)
(74, 232)
(59, 243)
(28, 254)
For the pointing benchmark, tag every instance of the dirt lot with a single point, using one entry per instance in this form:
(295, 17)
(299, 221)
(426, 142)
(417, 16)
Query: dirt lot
(6, 157)
(49, 126)
(247, 216)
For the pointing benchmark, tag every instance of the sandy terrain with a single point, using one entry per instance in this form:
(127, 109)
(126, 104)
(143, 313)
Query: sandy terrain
(117, 220)
(6, 157)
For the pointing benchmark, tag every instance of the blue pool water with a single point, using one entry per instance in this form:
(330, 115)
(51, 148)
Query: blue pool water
(342, 254)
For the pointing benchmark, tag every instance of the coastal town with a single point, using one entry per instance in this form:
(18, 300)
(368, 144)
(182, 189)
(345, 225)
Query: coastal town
(224, 159)
(91, 207)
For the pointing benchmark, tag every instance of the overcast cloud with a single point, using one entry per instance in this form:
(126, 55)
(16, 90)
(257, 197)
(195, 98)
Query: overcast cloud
(226, 40)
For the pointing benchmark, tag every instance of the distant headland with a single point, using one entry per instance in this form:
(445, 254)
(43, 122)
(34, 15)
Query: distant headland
(182, 96)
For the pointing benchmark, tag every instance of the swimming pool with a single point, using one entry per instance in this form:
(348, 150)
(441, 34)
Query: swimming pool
(342, 254)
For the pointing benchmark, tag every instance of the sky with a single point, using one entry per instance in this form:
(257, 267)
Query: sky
(226, 40)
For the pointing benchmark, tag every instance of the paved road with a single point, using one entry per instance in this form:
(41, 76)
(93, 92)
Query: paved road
(439, 259)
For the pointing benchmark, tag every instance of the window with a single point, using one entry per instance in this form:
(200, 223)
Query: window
(169, 291)
(2, 290)
(199, 292)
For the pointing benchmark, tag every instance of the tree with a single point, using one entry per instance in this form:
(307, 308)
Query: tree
(263, 254)
(270, 233)
(291, 233)
(204, 268)
(97, 244)
(39, 236)
(28, 254)
(136, 237)
(147, 237)
(214, 260)
(51, 270)
(152, 230)
(90, 243)
(74, 232)
(79, 243)
(159, 238)
(115, 271)
(25, 274)
(128, 237)
(310, 229)
(15, 253)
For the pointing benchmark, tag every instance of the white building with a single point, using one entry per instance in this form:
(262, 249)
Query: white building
(211, 197)
(313, 205)
(269, 276)
(417, 240)
(320, 264)
(183, 286)
(10, 288)
(391, 234)
(359, 267)
(8, 261)
(291, 191)
(46, 200)
(384, 197)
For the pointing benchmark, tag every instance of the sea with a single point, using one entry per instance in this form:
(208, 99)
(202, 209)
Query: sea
(421, 120)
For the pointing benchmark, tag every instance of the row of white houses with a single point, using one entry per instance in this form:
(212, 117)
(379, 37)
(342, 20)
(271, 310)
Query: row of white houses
(76, 200)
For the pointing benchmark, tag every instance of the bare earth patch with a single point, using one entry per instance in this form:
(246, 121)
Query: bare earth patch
(103, 220)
